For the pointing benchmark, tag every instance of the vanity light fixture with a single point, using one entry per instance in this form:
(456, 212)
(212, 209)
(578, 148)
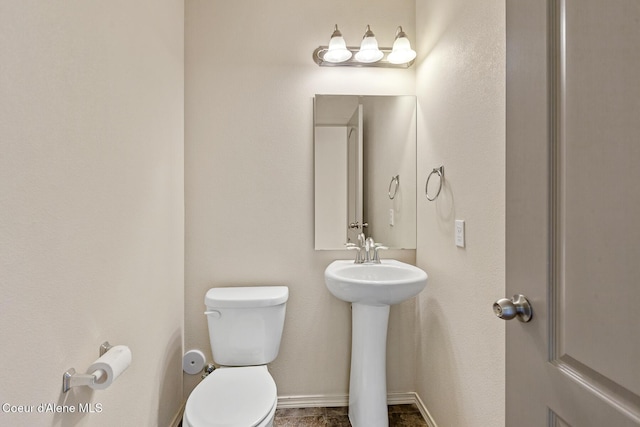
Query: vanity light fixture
(402, 52)
(337, 51)
(369, 51)
(368, 54)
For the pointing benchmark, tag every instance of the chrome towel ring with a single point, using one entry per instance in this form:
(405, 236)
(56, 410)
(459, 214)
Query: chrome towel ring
(395, 179)
(437, 171)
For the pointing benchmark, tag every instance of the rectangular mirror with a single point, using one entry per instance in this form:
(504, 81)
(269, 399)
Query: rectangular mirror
(365, 170)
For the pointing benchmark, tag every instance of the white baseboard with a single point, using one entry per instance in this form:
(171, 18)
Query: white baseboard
(178, 416)
(423, 410)
(313, 401)
(327, 401)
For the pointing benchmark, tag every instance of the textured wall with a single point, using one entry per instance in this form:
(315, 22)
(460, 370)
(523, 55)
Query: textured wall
(249, 172)
(91, 206)
(461, 92)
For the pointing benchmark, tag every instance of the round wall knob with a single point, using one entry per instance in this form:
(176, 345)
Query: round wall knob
(518, 306)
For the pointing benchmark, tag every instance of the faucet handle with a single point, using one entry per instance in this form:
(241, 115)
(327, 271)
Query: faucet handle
(354, 247)
(378, 246)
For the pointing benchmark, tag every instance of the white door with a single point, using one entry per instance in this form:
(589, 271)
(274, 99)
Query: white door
(573, 212)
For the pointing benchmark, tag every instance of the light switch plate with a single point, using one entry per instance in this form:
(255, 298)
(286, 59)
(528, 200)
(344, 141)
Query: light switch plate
(460, 233)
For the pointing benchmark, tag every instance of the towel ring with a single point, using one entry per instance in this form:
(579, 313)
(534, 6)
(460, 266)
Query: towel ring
(440, 172)
(395, 179)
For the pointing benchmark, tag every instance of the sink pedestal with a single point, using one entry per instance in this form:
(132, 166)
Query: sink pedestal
(368, 382)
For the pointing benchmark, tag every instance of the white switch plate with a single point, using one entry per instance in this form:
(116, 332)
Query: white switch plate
(460, 233)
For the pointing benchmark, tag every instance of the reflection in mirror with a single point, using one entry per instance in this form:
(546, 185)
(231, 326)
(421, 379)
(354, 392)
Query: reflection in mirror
(361, 144)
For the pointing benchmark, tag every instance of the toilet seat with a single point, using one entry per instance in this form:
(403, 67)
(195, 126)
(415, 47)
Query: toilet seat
(232, 397)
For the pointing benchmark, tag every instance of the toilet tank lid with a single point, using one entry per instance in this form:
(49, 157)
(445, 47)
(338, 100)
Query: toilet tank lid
(255, 296)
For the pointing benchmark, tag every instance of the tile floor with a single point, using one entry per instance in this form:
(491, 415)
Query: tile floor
(399, 416)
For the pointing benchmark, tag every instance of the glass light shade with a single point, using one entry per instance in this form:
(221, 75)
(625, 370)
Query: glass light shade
(401, 52)
(369, 51)
(337, 51)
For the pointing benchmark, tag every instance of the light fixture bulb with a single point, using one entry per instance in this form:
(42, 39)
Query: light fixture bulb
(369, 51)
(337, 51)
(401, 52)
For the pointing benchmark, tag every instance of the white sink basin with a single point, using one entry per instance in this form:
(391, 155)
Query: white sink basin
(389, 282)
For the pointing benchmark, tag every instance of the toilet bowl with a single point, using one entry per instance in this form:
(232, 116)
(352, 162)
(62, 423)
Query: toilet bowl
(245, 329)
(233, 397)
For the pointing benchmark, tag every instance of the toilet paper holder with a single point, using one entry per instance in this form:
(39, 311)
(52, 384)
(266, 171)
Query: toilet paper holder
(73, 379)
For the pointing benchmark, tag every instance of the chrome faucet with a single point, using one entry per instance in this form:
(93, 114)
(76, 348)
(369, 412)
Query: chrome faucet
(367, 250)
(361, 240)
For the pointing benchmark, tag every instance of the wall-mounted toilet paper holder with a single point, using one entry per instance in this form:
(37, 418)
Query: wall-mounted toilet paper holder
(73, 379)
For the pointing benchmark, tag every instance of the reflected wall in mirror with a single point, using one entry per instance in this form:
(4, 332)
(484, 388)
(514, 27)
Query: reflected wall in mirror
(361, 143)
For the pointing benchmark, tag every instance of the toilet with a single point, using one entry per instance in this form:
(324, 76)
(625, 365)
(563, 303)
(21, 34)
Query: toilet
(245, 328)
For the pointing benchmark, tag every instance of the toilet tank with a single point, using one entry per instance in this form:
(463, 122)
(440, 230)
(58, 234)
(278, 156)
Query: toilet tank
(245, 323)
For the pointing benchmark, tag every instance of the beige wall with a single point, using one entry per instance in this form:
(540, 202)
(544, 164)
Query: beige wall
(91, 213)
(461, 93)
(250, 82)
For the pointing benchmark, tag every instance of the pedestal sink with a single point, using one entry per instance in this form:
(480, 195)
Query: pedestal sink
(371, 289)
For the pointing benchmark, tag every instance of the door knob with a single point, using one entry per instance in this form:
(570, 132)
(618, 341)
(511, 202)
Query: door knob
(518, 306)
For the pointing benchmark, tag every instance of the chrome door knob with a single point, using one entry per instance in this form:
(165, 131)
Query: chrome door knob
(518, 306)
